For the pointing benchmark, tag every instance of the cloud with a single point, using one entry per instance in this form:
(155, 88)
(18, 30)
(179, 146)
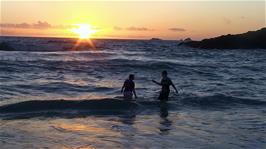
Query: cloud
(227, 21)
(177, 29)
(37, 25)
(132, 28)
(242, 17)
(41, 25)
(118, 28)
(21, 25)
(138, 29)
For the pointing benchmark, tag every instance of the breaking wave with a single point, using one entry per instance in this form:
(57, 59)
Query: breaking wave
(113, 106)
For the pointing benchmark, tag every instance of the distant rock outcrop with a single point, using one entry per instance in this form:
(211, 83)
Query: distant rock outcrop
(187, 40)
(249, 40)
(155, 39)
(181, 42)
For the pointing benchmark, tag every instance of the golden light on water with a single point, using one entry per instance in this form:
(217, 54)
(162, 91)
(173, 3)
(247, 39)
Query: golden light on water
(76, 127)
(84, 31)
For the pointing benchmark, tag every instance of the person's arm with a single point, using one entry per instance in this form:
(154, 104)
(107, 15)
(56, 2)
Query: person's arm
(174, 86)
(134, 92)
(156, 82)
(122, 89)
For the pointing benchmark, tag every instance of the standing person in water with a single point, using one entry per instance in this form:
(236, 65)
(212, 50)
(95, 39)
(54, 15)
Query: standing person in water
(128, 89)
(165, 83)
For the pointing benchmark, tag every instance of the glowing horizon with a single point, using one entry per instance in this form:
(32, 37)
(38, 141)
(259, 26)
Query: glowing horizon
(131, 19)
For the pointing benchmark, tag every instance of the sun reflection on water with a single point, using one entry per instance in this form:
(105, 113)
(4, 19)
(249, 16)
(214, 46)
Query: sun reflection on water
(76, 127)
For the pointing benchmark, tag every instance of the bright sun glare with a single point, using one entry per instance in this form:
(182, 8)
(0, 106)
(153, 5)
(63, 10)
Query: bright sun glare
(83, 30)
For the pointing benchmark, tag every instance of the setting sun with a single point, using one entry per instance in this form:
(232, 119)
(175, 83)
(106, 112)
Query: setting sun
(83, 30)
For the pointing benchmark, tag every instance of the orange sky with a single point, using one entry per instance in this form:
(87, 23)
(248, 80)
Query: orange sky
(132, 19)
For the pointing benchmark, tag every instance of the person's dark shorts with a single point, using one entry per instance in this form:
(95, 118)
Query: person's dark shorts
(164, 95)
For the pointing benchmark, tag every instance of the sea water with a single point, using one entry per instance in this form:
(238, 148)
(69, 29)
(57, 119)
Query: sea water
(221, 101)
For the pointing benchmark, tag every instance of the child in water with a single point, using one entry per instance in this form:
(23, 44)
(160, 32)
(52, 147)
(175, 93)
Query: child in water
(165, 83)
(128, 88)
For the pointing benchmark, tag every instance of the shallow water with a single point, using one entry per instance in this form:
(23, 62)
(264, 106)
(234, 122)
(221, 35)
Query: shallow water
(221, 101)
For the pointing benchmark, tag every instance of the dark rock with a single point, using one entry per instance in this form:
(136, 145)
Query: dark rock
(187, 40)
(249, 40)
(155, 39)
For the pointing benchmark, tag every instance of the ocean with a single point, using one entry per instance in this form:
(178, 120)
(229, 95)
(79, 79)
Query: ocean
(66, 95)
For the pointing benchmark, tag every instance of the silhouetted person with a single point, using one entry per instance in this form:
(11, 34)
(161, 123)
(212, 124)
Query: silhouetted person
(128, 89)
(165, 83)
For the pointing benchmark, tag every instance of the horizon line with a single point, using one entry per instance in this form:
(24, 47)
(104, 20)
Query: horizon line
(92, 38)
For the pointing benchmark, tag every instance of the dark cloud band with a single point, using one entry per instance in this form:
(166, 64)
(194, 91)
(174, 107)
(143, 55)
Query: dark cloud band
(132, 28)
(177, 29)
(38, 25)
